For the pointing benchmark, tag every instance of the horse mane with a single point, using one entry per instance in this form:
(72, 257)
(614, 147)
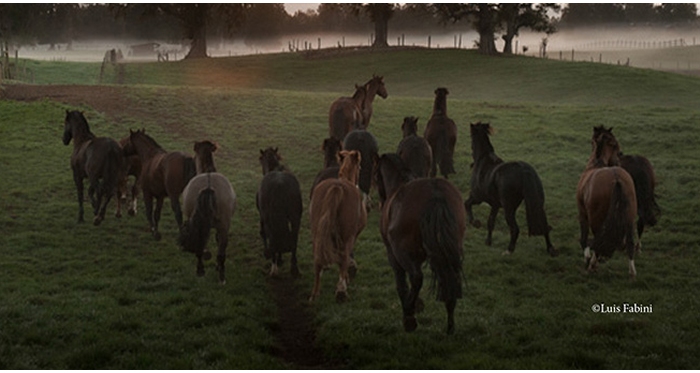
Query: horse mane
(270, 160)
(360, 93)
(77, 117)
(151, 141)
(399, 165)
(603, 138)
(409, 126)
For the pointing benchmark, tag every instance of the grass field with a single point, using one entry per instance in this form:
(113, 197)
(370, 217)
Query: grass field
(74, 296)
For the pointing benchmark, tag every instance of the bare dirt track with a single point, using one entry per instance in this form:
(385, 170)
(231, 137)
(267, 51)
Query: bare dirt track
(294, 331)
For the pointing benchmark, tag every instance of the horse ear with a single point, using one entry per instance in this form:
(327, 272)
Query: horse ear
(216, 146)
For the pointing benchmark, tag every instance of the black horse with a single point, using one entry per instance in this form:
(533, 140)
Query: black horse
(505, 184)
(415, 150)
(364, 142)
(279, 202)
(441, 134)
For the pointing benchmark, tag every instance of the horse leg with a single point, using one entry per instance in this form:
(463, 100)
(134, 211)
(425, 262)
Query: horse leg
(318, 268)
(341, 289)
(450, 307)
(409, 319)
(156, 218)
(134, 198)
(175, 204)
(513, 225)
(583, 242)
(470, 216)
(200, 264)
(630, 247)
(78, 179)
(294, 267)
(491, 224)
(222, 241)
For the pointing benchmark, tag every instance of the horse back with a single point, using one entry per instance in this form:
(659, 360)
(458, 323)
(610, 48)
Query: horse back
(168, 174)
(416, 154)
(279, 193)
(595, 191)
(343, 117)
(102, 158)
(350, 214)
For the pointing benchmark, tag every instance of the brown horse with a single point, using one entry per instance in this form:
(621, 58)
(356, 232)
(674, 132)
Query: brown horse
(607, 204)
(441, 134)
(507, 185)
(374, 87)
(163, 174)
(421, 220)
(133, 168)
(415, 150)
(346, 114)
(644, 178)
(331, 148)
(279, 203)
(337, 217)
(208, 202)
(99, 159)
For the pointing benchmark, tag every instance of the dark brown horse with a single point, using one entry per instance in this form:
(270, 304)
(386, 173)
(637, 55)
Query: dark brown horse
(331, 148)
(374, 87)
(279, 203)
(644, 178)
(99, 159)
(133, 168)
(366, 144)
(163, 174)
(507, 185)
(208, 202)
(337, 217)
(346, 114)
(607, 204)
(415, 150)
(421, 220)
(441, 134)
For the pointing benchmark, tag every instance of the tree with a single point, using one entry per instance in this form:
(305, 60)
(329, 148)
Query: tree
(517, 16)
(380, 14)
(580, 14)
(484, 18)
(674, 13)
(193, 19)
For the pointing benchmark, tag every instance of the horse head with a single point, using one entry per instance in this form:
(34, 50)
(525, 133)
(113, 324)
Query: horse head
(269, 159)
(204, 156)
(409, 126)
(606, 149)
(350, 166)
(75, 126)
(481, 144)
(376, 84)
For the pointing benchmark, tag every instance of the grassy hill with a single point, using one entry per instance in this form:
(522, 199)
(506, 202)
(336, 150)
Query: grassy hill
(108, 297)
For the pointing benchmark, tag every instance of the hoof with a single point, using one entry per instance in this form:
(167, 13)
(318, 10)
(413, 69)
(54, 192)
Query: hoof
(156, 236)
(506, 253)
(553, 252)
(341, 297)
(97, 221)
(132, 212)
(118, 215)
(476, 224)
(409, 323)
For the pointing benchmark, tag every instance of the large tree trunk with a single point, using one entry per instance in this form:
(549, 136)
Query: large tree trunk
(196, 24)
(508, 46)
(486, 28)
(381, 32)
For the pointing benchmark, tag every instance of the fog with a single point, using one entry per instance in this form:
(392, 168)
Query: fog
(608, 45)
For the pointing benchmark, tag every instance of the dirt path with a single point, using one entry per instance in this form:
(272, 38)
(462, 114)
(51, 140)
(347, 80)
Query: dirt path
(295, 331)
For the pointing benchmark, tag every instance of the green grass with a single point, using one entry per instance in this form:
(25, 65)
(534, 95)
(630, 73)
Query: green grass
(82, 297)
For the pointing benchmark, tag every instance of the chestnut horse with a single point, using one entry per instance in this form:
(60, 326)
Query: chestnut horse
(607, 204)
(415, 150)
(507, 185)
(337, 217)
(441, 134)
(208, 202)
(374, 87)
(644, 178)
(133, 168)
(346, 114)
(421, 220)
(99, 159)
(279, 203)
(163, 174)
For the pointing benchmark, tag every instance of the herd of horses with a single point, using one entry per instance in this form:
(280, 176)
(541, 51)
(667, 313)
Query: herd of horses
(423, 218)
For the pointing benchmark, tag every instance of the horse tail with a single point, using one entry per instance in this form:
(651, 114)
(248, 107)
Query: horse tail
(444, 156)
(189, 169)
(113, 172)
(338, 123)
(327, 237)
(616, 225)
(647, 207)
(533, 193)
(442, 244)
(195, 234)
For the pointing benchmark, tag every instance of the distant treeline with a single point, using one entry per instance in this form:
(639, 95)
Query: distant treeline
(22, 24)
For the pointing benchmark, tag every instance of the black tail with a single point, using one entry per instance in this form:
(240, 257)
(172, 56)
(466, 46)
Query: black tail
(616, 227)
(533, 193)
(444, 155)
(647, 208)
(195, 233)
(441, 241)
(112, 172)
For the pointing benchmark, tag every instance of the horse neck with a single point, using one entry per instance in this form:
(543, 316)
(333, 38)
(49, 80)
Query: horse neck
(81, 134)
(482, 149)
(350, 173)
(205, 164)
(330, 160)
(146, 150)
(440, 105)
(372, 89)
